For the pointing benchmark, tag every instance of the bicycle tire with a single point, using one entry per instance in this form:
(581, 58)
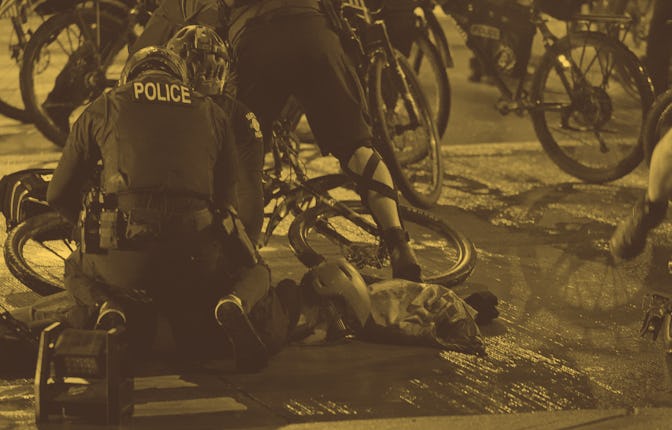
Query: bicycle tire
(451, 273)
(399, 161)
(428, 53)
(438, 38)
(657, 121)
(43, 36)
(39, 228)
(628, 61)
(13, 112)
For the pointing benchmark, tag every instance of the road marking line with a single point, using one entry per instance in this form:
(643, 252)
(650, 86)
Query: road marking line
(188, 407)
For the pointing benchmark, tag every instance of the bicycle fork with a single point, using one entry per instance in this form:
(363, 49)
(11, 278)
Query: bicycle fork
(378, 42)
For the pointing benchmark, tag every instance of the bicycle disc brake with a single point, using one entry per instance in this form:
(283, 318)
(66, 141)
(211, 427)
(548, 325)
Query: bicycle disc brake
(655, 307)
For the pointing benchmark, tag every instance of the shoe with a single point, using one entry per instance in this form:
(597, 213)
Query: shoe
(476, 70)
(110, 316)
(629, 239)
(250, 353)
(485, 303)
(404, 262)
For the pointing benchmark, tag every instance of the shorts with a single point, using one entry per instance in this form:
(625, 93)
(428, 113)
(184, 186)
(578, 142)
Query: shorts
(300, 55)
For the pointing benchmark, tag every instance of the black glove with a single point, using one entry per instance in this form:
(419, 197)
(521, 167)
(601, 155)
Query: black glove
(485, 303)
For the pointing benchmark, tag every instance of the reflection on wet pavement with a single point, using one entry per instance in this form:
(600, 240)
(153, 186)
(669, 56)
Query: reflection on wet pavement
(566, 338)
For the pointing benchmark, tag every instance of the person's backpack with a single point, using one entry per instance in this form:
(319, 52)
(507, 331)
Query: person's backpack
(23, 194)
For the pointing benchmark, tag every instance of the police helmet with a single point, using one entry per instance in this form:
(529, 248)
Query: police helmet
(156, 59)
(207, 56)
(339, 278)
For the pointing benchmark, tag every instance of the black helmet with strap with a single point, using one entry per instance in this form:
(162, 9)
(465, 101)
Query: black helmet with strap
(154, 58)
(206, 55)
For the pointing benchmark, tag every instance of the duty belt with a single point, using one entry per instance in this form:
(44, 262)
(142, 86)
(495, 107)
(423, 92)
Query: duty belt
(131, 230)
(159, 201)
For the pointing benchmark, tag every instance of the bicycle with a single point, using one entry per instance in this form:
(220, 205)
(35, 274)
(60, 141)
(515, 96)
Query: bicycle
(73, 57)
(39, 240)
(403, 127)
(585, 118)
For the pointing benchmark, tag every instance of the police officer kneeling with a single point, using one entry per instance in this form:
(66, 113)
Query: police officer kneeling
(159, 227)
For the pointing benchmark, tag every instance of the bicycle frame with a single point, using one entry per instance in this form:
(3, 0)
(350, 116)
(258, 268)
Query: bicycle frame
(103, 62)
(296, 191)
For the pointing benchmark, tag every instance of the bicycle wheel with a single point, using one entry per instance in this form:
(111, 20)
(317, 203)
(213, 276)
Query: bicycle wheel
(586, 120)
(447, 257)
(431, 72)
(409, 147)
(35, 251)
(61, 73)
(658, 122)
(11, 104)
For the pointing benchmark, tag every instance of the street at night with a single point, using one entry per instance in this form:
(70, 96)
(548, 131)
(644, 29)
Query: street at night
(565, 351)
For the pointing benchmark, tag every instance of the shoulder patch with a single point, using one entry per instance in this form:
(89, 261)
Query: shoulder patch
(162, 92)
(254, 125)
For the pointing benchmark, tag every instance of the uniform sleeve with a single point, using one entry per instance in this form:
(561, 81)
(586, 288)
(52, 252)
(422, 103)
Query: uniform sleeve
(78, 162)
(246, 127)
(226, 165)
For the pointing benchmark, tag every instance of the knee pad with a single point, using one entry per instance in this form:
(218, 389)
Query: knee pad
(364, 182)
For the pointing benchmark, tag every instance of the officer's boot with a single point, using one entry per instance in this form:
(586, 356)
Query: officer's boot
(249, 351)
(476, 70)
(629, 239)
(404, 262)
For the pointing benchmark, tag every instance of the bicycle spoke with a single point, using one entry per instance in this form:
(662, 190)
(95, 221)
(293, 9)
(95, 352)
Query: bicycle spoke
(327, 235)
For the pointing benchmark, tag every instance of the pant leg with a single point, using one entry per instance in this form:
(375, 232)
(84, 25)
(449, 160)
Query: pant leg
(328, 87)
(400, 22)
(658, 52)
(250, 150)
(158, 31)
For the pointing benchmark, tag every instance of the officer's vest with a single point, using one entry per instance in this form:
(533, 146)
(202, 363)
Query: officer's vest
(163, 138)
(245, 12)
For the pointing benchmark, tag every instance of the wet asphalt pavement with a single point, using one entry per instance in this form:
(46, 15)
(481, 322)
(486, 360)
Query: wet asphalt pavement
(567, 337)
